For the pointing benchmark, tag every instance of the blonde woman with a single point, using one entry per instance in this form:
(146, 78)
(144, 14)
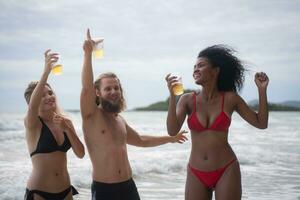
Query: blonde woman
(49, 135)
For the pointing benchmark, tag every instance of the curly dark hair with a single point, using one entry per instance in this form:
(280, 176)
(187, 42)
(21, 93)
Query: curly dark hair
(231, 75)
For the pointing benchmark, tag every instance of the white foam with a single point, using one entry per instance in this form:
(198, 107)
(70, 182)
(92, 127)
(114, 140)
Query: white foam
(269, 159)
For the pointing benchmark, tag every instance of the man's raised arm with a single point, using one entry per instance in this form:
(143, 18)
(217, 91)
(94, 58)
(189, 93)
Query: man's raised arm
(88, 96)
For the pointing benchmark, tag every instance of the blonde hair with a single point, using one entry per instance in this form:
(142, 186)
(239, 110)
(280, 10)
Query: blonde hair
(97, 86)
(29, 90)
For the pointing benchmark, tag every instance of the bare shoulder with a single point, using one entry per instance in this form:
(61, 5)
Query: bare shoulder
(32, 123)
(32, 131)
(185, 102)
(25, 121)
(233, 100)
(122, 119)
(187, 97)
(232, 97)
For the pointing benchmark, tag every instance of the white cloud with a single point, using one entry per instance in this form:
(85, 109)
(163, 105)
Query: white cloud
(144, 40)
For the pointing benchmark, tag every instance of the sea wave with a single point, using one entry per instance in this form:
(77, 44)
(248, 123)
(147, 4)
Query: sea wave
(269, 159)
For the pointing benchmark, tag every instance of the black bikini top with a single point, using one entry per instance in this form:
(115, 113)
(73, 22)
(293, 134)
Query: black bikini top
(47, 142)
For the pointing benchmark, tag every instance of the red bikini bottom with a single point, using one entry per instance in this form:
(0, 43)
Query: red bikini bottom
(211, 178)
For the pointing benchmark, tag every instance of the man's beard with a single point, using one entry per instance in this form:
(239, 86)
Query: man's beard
(111, 107)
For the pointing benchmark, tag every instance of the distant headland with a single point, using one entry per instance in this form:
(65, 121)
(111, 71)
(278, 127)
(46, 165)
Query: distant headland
(283, 106)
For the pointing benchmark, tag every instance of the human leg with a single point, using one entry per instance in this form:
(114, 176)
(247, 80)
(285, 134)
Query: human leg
(195, 189)
(229, 185)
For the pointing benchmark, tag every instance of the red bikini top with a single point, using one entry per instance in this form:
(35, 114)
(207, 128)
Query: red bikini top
(221, 123)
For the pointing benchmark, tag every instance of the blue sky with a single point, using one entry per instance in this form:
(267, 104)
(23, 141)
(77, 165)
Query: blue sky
(145, 40)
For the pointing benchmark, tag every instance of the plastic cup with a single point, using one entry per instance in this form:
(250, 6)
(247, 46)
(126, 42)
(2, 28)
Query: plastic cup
(178, 86)
(98, 48)
(57, 67)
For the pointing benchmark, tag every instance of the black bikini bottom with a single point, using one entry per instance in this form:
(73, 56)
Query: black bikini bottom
(50, 196)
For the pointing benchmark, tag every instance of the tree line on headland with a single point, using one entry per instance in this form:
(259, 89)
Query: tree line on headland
(163, 105)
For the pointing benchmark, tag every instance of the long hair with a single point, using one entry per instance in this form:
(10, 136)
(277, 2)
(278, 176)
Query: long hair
(29, 90)
(97, 86)
(231, 74)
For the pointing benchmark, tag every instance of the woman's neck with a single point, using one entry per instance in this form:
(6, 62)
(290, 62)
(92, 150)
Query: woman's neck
(210, 92)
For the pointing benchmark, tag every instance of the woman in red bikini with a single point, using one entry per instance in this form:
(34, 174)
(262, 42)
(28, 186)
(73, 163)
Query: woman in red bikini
(213, 165)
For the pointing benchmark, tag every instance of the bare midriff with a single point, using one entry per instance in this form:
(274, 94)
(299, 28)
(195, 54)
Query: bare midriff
(49, 172)
(110, 163)
(210, 150)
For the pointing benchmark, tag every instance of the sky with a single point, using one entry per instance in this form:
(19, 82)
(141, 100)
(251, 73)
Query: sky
(143, 42)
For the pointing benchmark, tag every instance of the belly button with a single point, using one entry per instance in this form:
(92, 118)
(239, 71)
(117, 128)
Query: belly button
(56, 174)
(205, 158)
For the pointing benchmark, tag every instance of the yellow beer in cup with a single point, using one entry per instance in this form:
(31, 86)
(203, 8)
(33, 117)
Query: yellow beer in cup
(178, 86)
(178, 89)
(57, 67)
(98, 51)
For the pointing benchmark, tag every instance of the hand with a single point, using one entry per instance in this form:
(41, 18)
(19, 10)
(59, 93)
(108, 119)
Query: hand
(171, 80)
(61, 121)
(50, 59)
(88, 43)
(261, 80)
(180, 137)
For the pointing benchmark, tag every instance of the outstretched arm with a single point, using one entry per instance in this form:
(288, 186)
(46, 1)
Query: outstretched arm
(135, 139)
(31, 119)
(259, 119)
(88, 96)
(176, 116)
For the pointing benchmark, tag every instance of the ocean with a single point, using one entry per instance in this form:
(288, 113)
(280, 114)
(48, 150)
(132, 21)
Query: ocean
(269, 159)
